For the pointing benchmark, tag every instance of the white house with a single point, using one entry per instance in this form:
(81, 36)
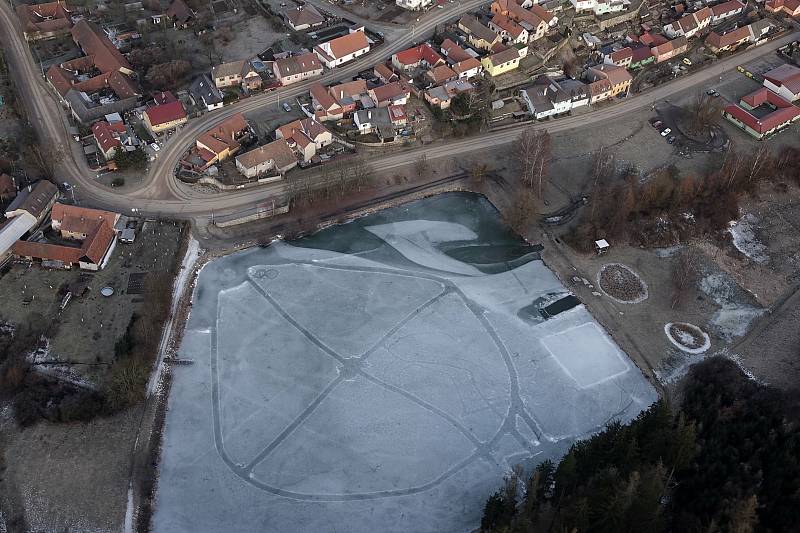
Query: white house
(343, 49)
(785, 81)
(414, 5)
(275, 157)
(600, 7)
(305, 136)
(725, 10)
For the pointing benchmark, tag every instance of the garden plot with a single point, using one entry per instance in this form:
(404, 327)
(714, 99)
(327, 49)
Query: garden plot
(383, 390)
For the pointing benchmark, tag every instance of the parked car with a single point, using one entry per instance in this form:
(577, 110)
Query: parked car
(671, 139)
(657, 124)
(666, 132)
(286, 107)
(687, 61)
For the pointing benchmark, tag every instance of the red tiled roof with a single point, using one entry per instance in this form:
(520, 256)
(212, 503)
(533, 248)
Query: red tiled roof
(163, 114)
(345, 45)
(49, 17)
(785, 75)
(163, 97)
(726, 7)
(454, 52)
(784, 111)
(727, 39)
(466, 65)
(389, 91)
(76, 219)
(94, 42)
(417, 54)
(104, 134)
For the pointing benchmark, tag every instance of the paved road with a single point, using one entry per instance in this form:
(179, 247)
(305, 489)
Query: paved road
(161, 194)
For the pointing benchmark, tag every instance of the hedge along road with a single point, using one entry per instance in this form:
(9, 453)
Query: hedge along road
(162, 194)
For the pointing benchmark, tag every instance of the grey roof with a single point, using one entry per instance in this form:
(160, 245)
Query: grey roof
(204, 89)
(34, 199)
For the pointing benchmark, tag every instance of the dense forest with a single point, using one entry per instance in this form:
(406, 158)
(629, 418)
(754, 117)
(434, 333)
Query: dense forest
(726, 459)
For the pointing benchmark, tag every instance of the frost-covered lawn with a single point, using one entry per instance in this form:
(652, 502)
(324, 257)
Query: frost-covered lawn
(379, 384)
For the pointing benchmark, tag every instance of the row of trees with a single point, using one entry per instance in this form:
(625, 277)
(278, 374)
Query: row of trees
(339, 178)
(727, 460)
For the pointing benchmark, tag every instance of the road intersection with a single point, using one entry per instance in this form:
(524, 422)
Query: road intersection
(161, 194)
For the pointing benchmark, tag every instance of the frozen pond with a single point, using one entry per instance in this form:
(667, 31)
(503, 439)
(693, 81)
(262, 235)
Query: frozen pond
(380, 376)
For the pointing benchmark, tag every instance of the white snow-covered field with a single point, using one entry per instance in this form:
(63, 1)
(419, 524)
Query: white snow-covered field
(388, 390)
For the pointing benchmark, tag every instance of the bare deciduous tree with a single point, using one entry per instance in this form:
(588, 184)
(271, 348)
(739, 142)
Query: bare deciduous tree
(685, 270)
(704, 113)
(533, 152)
(520, 213)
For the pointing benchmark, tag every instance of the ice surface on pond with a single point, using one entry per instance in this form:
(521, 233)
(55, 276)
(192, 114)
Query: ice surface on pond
(745, 240)
(364, 380)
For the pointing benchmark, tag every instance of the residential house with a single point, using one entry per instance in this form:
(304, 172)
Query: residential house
(395, 93)
(385, 73)
(478, 35)
(599, 7)
(468, 69)
(35, 200)
(502, 62)
(94, 232)
(441, 74)
(549, 97)
(728, 41)
(689, 25)
(762, 113)
(621, 57)
(670, 49)
(305, 136)
(236, 73)
(297, 68)
(97, 83)
(508, 29)
(599, 90)
(276, 156)
(338, 101)
(536, 20)
(343, 49)
(453, 52)
(8, 189)
(419, 56)
(106, 136)
(383, 121)
(44, 21)
(442, 96)
(641, 56)
(785, 81)
(204, 92)
(180, 15)
(414, 5)
(73, 222)
(222, 141)
(304, 18)
(789, 7)
(618, 77)
(160, 118)
(725, 10)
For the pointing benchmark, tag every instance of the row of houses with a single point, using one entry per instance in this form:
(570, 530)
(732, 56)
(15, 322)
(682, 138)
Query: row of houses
(693, 23)
(549, 97)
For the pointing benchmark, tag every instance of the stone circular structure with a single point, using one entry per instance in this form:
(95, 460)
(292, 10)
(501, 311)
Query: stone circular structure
(620, 283)
(687, 337)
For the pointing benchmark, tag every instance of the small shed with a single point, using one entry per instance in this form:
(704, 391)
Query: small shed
(601, 246)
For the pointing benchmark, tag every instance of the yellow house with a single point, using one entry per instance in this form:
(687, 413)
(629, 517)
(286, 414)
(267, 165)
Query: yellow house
(503, 62)
(164, 117)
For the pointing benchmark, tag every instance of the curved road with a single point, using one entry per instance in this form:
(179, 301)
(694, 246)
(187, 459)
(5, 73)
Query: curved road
(162, 194)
